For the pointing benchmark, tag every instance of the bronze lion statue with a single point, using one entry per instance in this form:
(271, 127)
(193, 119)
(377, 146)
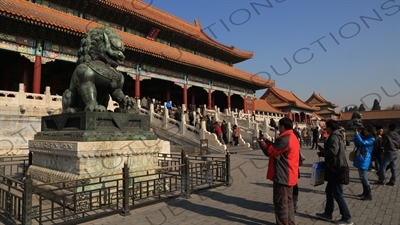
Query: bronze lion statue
(96, 78)
(355, 122)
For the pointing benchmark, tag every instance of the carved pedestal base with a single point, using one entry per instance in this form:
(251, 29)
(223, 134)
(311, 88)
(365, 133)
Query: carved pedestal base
(96, 126)
(56, 161)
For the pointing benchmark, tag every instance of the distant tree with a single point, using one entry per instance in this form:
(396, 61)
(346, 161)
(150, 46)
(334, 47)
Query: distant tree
(346, 109)
(355, 108)
(395, 106)
(376, 105)
(361, 108)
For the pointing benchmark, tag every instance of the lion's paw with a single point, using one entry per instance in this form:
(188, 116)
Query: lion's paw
(128, 103)
(69, 110)
(95, 108)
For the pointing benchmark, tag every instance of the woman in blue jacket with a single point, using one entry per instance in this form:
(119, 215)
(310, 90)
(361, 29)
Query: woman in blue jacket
(362, 161)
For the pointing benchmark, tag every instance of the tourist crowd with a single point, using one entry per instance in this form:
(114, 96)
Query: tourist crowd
(371, 144)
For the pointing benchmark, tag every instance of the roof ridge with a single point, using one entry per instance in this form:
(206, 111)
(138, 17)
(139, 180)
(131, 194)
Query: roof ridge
(295, 96)
(273, 89)
(148, 7)
(302, 101)
(322, 98)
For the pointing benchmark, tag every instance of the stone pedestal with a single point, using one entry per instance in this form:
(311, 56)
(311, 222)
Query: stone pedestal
(55, 161)
(15, 133)
(86, 145)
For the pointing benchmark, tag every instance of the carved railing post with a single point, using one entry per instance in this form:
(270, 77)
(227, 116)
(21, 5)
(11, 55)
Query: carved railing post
(229, 124)
(47, 97)
(151, 112)
(27, 200)
(183, 108)
(21, 97)
(166, 116)
(182, 124)
(125, 192)
(217, 113)
(256, 130)
(248, 118)
(202, 129)
(265, 125)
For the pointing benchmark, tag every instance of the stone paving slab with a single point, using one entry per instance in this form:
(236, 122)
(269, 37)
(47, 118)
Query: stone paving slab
(249, 199)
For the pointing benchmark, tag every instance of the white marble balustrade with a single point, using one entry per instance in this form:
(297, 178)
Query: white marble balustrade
(29, 104)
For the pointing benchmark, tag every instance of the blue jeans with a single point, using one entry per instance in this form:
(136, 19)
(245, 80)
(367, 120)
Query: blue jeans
(378, 160)
(334, 191)
(363, 177)
(386, 161)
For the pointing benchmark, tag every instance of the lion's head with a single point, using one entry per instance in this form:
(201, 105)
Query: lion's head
(102, 43)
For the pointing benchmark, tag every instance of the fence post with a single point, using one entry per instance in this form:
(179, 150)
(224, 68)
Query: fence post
(228, 168)
(183, 156)
(30, 158)
(27, 200)
(125, 192)
(187, 177)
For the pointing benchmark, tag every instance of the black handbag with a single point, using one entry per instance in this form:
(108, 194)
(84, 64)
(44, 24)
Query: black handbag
(345, 175)
(340, 175)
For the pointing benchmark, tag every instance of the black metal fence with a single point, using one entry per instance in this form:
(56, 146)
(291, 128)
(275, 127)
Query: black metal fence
(15, 166)
(26, 201)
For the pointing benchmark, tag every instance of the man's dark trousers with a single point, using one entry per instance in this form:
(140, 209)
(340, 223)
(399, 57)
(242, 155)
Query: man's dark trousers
(334, 192)
(314, 142)
(283, 203)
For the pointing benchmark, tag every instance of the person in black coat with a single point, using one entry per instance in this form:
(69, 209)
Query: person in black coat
(315, 134)
(224, 127)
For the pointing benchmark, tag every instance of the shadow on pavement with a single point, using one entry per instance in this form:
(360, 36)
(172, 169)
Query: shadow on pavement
(313, 218)
(301, 189)
(261, 159)
(241, 202)
(218, 213)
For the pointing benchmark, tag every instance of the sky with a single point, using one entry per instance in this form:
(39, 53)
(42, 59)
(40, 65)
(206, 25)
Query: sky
(348, 51)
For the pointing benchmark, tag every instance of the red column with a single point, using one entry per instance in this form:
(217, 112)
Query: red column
(185, 101)
(229, 100)
(209, 99)
(37, 74)
(137, 86)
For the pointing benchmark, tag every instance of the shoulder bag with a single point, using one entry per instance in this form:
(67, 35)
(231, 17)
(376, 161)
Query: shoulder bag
(353, 154)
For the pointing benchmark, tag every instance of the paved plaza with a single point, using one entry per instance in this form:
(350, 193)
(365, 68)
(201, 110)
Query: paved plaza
(249, 199)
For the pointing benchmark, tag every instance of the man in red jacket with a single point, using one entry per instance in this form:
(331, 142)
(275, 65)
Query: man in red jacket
(218, 132)
(283, 170)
